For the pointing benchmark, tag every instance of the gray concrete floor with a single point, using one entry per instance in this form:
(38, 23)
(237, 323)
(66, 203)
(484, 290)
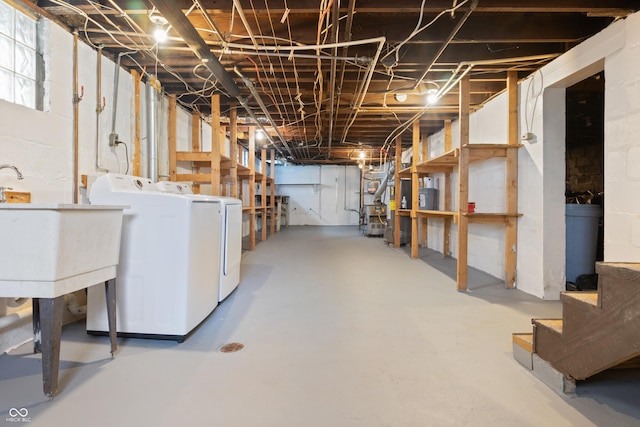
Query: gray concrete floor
(339, 330)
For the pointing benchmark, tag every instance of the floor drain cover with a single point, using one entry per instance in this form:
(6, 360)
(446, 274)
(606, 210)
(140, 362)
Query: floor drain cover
(231, 347)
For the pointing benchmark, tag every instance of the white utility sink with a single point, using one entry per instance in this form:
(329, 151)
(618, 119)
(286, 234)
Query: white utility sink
(53, 244)
(49, 250)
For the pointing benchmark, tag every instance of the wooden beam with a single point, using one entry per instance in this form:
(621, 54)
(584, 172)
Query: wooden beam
(215, 145)
(233, 150)
(272, 195)
(263, 191)
(171, 135)
(511, 231)
(415, 188)
(396, 201)
(135, 76)
(195, 144)
(252, 188)
(446, 187)
(463, 185)
(424, 221)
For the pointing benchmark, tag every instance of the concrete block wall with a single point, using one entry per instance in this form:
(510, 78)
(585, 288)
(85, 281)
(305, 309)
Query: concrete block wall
(622, 148)
(585, 168)
(40, 143)
(320, 195)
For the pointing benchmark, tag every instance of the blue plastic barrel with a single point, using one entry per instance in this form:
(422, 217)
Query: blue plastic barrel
(582, 239)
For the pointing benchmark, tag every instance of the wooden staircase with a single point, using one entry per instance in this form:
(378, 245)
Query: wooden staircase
(598, 330)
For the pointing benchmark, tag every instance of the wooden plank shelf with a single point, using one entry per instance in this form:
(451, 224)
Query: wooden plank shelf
(489, 151)
(459, 160)
(226, 174)
(436, 214)
(487, 218)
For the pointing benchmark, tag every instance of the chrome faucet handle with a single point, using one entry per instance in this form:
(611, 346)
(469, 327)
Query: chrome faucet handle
(3, 198)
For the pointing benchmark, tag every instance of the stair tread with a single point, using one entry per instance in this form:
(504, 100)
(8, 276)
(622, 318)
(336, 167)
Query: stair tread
(554, 324)
(586, 297)
(524, 340)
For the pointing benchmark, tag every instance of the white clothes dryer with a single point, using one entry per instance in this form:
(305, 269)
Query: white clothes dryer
(230, 233)
(169, 253)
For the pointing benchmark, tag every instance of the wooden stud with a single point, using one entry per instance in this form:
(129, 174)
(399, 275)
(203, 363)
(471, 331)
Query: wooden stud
(136, 122)
(511, 230)
(263, 191)
(463, 184)
(172, 136)
(195, 144)
(215, 145)
(233, 150)
(252, 187)
(272, 195)
(397, 200)
(424, 222)
(447, 136)
(415, 188)
(446, 241)
(446, 187)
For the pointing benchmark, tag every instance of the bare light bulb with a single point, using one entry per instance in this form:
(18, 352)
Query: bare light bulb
(432, 96)
(160, 35)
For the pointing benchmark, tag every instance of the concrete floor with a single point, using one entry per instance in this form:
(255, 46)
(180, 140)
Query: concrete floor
(339, 330)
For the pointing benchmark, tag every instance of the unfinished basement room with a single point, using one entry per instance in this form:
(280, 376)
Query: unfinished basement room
(286, 213)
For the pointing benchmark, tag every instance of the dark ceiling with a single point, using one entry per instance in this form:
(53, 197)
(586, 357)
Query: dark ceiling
(327, 71)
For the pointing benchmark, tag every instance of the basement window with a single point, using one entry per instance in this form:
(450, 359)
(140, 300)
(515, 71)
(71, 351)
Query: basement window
(20, 63)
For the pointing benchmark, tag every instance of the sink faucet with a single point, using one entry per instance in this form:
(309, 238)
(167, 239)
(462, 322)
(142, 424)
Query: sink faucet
(18, 173)
(15, 169)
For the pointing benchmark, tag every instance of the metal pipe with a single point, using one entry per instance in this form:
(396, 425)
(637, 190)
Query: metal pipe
(173, 14)
(76, 101)
(99, 106)
(444, 45)
(332, 76)
(256, 96)
(152, 138)
(113, 136)
(347, 36)
(364, 88)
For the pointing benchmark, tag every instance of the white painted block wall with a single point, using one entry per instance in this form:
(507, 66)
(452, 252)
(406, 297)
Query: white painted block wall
(541, 165)
(320, 195)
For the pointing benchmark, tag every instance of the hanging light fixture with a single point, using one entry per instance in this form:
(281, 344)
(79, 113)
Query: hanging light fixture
(160, 26)
(432, 96)
(400, 97)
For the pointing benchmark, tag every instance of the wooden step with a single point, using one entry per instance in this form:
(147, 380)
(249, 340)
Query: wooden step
(554, 325)
(522, 344)
(585, 299)
(524, 340)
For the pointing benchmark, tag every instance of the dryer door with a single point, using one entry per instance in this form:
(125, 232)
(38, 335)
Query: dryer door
(232, 238)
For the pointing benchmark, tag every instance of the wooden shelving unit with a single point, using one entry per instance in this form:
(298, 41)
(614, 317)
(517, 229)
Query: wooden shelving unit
(459, 159)
(226, 173)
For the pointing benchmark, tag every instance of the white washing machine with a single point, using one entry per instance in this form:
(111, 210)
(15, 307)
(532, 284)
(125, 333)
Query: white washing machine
(169, 253)
(230, 233)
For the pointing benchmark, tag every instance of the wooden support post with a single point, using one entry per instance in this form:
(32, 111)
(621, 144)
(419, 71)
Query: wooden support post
(424, 222)
(272, 195)
(415, 188)
(233, 150)
(172, 136)
(397, 199)
(446, 187)
(195, 144)
(511, 232)
(463, 184)
(252, 187)
(136, 122)
(263, 191)
(215, 145)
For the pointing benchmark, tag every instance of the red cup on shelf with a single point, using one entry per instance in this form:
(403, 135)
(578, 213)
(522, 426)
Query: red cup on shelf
(471, 207)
